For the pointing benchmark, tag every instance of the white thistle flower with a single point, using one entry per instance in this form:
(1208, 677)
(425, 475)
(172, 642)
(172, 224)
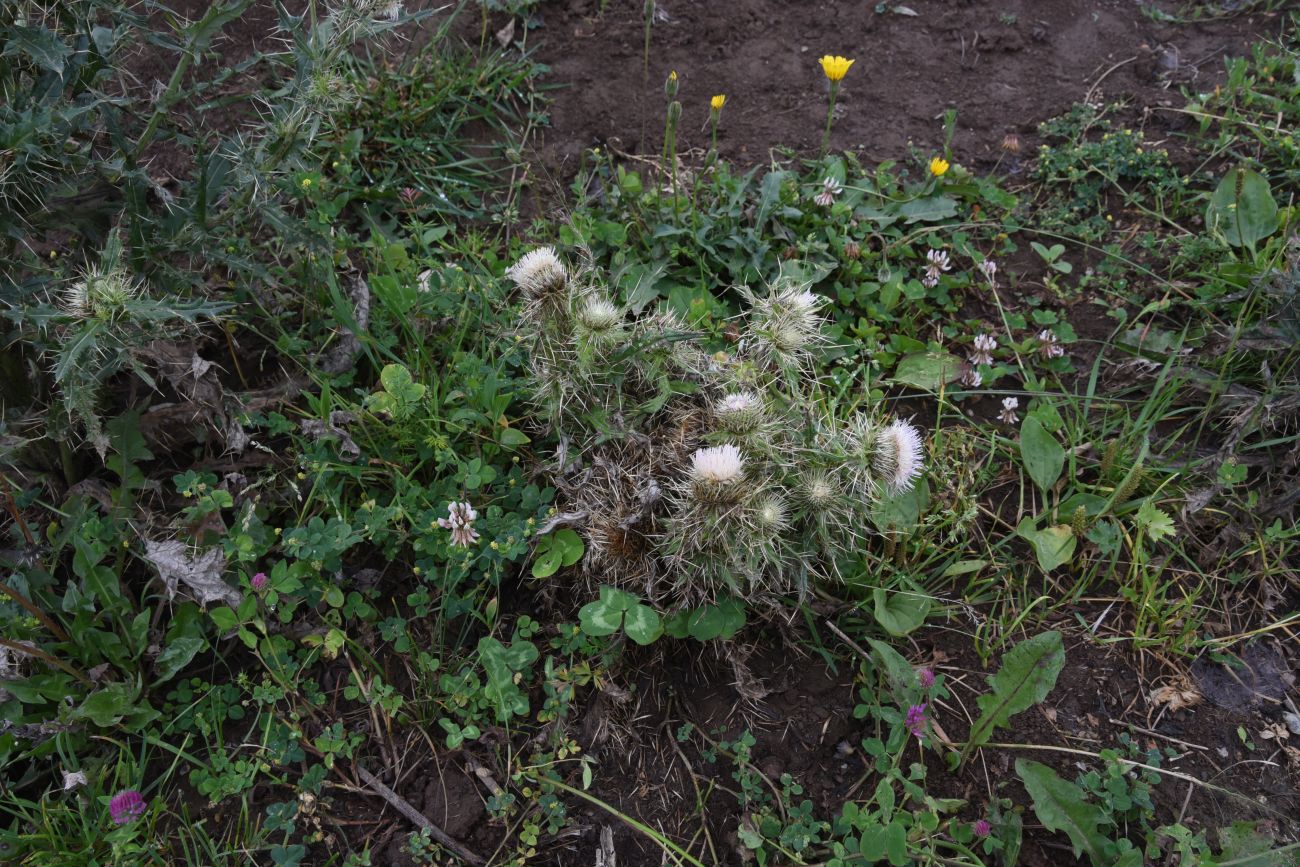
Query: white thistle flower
(984, 345)
(1009, 406)
(719, 464)
(1048, 345)
(898, 456)
(599, 315)
(826, 196)
(460, 521)
(740, 412)
(393, 11)
(539, 272)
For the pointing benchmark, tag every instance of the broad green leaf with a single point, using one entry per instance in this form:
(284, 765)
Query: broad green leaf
(1054, 546)
(901, 512)
(1155, 521)
(1060, 806)
(43, 46)
(642, 624)
(930, 209)
(896, 844)
(927, 370)
(899, 613)
(899, 673)
(107, 706)
(1028, 673)
(599, 618)
(224, 618)
(1245, 844)
(176, 656)
(1242, 208)
(1043, 456)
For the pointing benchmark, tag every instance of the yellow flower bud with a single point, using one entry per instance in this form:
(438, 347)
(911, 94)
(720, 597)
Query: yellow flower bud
(938, 166)
(835, 67)
(718, 102)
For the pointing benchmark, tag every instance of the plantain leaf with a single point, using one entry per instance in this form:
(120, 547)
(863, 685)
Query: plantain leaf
(1242, 209)
(1060, 806)
(1029, 671)
(1043, 456)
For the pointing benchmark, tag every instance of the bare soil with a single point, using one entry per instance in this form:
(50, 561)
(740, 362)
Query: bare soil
(1004, 66)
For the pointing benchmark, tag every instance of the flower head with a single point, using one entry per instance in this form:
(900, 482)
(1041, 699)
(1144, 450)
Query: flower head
(101, 293)
(898, 455)
(599, 315)
(717, 102)
(938, 166)
(830, 189)
(772, 514)
(915, 719)
(925, 677)
(984, 345)
(719, 464)
(460, 521)
(539, 272)
(739, 413)
(258, 581)
(938, 259)
(1009, 406)
(1048, 345)
(835, 67)
(126, 806)
(989, 269)
(982, 828)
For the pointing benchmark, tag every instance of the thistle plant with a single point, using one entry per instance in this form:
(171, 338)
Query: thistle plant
(695, 475)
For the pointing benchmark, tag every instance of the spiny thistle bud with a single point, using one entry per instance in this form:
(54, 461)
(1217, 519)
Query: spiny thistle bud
(739, 413)
(821, 492)
(539, 273)
(599, 316)
(674, 112)
(99, 294)
(771, 515)
(898, 456)
(718, 474)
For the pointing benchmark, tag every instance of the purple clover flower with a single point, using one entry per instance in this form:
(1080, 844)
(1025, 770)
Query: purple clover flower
(259, 581)
(926, 677)
(126, 806)
(982, 828)
(915, 719)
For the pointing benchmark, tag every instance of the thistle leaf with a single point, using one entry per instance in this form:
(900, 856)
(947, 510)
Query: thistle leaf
(1029, 671)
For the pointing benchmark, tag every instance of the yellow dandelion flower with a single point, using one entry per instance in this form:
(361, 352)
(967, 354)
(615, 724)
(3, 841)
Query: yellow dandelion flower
(718, 102)
(938, 166)
(835, 67)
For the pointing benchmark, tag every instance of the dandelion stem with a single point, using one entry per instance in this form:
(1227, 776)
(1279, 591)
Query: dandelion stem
(830, 117)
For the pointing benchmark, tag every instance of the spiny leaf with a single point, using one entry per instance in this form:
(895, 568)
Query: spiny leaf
(1028, 673)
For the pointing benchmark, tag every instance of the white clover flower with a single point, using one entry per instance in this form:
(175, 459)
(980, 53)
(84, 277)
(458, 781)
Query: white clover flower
(719, 464)
(740, 412)
(1009, 406)
(826, 196)
(898, 456)
(984, 345)
(539, 272)
(938, 259)
(599, 315)
(971, 377)
(930, 280)
(460, 521)
(989, 269)
(1048, 345)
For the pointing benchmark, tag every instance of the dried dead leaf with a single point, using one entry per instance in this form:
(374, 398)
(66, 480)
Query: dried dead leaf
(200, 574)
(506, 34)
(1177, 696)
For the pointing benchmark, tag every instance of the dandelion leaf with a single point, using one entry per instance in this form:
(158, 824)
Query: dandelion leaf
(1029, 671)
(1060, 806)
